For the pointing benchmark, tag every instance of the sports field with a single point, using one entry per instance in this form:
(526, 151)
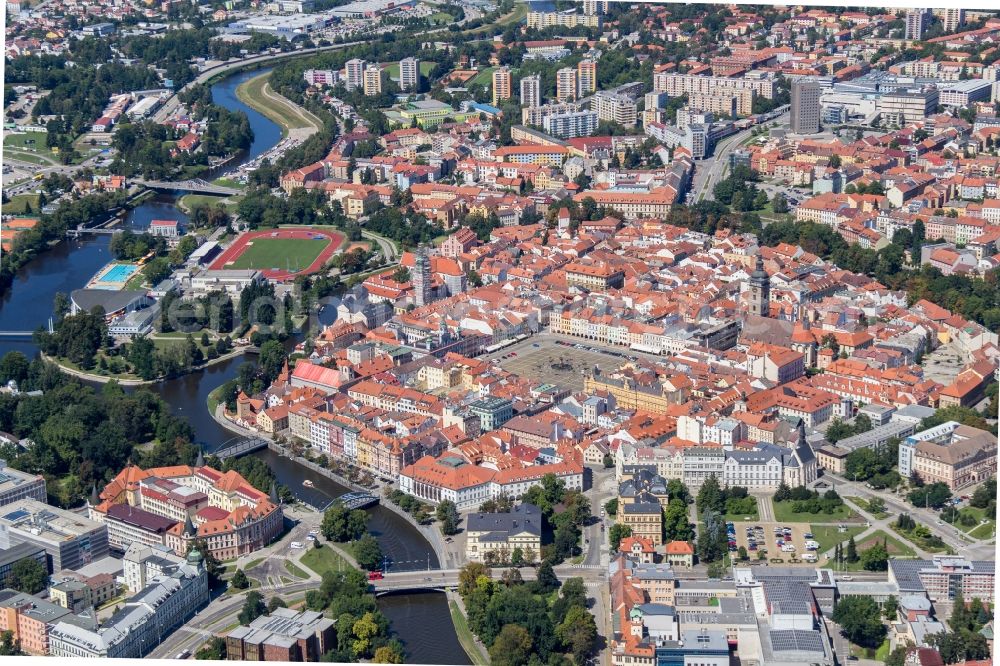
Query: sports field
(292, 254)
(281, 253)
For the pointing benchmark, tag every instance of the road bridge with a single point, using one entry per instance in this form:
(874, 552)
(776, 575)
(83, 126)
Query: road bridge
(442, 579)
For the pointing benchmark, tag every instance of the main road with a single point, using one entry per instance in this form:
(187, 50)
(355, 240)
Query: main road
(708, 172)
(221, 613)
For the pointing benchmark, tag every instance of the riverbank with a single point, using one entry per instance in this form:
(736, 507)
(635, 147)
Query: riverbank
(473, 646)
(295, 122)
(127, 381)
(447, 558)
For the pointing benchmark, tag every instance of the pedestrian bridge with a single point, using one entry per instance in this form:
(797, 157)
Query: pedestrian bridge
(240, 446)
(196, 185)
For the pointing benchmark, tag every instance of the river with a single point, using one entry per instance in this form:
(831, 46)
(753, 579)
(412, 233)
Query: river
(421, 621)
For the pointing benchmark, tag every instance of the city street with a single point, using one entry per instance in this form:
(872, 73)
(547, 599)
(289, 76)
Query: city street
(710, 171)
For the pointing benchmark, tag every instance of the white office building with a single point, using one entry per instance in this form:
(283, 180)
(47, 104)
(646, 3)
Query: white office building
(164, 604)
(409, 74)
(570, 125)
(355, 69)
(531, 91)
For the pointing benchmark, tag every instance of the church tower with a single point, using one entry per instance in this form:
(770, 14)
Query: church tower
(421, 278)
(760, 290)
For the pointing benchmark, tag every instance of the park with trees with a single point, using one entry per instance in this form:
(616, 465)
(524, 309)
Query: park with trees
(538, 622)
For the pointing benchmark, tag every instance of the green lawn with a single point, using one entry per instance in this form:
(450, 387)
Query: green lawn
(292, 253)
(25, 156)
(31, 140)
(864, 504)
(16, 204)
(979, 515)
(257, 93)
(323, 559)
(189, 201)
(828, 536)
(741, 517)
(295, 570)
(483, 78)
(896, 547)
(985, 531)
(425, 67)
(882, 653)
(921, 542)
(783, 514)
(440, 18)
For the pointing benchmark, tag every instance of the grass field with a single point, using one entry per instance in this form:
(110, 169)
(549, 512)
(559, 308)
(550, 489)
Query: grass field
(393, 69)
(979, 515)
(35, 140)
(33, 158)
(188, 202)
(863, 503)
(921, 542)
(324, 559)
(483, 78)
(895, 547)
(783, 513)
(985, 531)
(281, 253)
(440, 18)
(295, 570)
(828, 536)
(16, 204)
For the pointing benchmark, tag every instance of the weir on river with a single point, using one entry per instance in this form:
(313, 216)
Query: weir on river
(421, 621)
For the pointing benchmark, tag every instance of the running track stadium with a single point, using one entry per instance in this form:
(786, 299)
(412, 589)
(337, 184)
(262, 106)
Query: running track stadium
(283, 264)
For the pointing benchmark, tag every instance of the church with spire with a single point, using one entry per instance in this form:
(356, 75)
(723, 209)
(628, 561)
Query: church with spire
(760, 290)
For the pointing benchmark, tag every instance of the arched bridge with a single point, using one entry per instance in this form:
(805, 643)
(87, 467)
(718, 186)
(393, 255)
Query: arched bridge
(194, 185)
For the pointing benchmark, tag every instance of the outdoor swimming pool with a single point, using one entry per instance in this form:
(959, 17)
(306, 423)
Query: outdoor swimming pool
(118, 273)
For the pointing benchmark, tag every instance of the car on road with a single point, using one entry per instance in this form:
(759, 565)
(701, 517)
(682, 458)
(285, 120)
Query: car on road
(183, 654)
(375, 575)
(295, 545)
(847, 578)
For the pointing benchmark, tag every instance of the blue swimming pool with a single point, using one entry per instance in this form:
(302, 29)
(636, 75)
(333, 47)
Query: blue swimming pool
(119, 273)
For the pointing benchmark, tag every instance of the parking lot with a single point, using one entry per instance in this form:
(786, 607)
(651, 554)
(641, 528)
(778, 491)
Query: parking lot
(765, 538)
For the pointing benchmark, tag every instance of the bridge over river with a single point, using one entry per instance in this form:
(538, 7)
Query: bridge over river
(443, 579)
(195, 185)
